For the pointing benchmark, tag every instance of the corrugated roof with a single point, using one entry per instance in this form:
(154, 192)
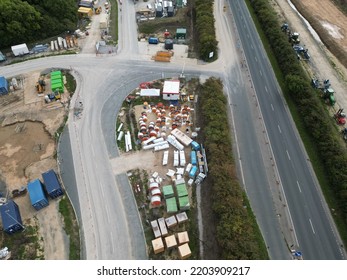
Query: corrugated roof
(181, 190)
(171, 205)
(183, 202)
(51, 181)
(35, 190)
(168, 191)
(10, 215)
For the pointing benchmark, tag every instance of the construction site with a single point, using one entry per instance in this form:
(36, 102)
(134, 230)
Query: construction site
(32, 112)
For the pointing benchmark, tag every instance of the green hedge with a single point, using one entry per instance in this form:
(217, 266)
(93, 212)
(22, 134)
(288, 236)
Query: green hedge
(204, 26)
(237, 231)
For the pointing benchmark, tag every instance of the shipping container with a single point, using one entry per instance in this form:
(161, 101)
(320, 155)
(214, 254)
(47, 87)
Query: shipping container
(10, 216)
(193, 171)
(52, 185)
(193, 159)
(37, 196)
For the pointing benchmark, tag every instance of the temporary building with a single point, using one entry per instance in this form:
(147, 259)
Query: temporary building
(37, 196)
(158, 245)
(171, 90)
(170, 241)
(193, 159)
(181, 190)
(195, 145)
(183, 202)
(10, 216)
(181, 33)
(181, 217)
(182, 137)
(184, 251)
(150, 92)
(182, 237)
(84, 11)
(52, 185)
(155, 228)
(193, 171)
(168, 191)
(171, 205)
(171, 221)
(57, 86)
(162, 226)
(3, 86)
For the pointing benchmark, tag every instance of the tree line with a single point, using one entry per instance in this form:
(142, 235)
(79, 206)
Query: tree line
(30, 20)
(205, 30)
(324, 137)
(237, 232)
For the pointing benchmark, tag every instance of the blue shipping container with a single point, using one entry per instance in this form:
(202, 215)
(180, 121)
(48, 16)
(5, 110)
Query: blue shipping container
(195, 146)
(3, 85)
(193, 172)
(52, 185)
(193, 157)
(37, 196)
(153, 40)
(11, 219)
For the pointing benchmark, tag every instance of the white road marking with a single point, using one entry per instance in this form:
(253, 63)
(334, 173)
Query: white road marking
(288, 154)
(261, 73)
(267, 91)
(279, 128)
(297, 182)
(102, 191)
(112, 244)
(272, 107)
(312, 226)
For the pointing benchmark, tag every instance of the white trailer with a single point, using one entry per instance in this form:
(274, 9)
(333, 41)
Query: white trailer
(21, 49)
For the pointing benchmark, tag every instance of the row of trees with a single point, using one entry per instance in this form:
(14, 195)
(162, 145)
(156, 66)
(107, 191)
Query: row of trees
(204, 26)
(30, 20)
(314, 115)
(237, 232)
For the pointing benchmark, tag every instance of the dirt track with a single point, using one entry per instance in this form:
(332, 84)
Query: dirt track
(323, 64)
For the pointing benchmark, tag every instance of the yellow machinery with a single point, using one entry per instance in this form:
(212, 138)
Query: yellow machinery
(98, 10)
(40, 85)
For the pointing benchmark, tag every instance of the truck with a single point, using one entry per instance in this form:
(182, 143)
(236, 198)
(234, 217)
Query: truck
(19, 50)
(153, 40)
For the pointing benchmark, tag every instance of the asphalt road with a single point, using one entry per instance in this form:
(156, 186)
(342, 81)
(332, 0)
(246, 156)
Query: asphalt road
(315, 232)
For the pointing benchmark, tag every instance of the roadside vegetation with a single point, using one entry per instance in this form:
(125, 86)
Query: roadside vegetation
(114, 21)
(317, 128)
(71, 228)
(237, 231)
(205, 30)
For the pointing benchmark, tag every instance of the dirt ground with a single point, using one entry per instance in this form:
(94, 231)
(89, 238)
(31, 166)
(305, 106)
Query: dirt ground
(323, 64)
(27, 149)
